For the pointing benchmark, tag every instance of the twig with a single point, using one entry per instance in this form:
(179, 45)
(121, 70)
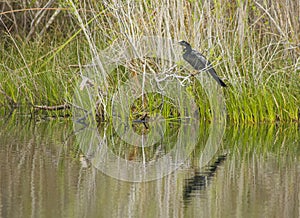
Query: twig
(52, 108)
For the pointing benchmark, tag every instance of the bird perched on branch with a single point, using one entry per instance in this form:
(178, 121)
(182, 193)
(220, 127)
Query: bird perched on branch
(198, 61)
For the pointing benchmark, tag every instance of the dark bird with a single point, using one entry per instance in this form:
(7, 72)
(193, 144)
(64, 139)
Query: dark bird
(198, 61)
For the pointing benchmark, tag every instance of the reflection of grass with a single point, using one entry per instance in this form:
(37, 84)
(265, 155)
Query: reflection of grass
(246, 142)
(254, 50)
(277, 140)
(130, 151)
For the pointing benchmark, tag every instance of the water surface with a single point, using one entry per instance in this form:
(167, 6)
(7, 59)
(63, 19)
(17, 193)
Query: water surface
(255, 173)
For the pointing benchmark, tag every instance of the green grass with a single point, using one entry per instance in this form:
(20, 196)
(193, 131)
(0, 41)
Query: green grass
(254, 48)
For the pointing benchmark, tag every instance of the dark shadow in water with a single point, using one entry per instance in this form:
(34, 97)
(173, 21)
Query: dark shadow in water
(201, 179)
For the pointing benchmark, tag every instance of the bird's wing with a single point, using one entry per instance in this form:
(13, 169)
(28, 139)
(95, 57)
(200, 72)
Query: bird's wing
(202, 59)
(199, 61)
(207, 66)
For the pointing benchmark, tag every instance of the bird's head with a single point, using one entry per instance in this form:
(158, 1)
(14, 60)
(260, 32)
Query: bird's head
(185, 44)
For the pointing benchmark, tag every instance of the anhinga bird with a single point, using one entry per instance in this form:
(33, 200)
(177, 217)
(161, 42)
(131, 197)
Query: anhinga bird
(198, 61)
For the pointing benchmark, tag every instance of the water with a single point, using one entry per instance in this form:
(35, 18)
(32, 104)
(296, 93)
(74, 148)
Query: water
(255, 173)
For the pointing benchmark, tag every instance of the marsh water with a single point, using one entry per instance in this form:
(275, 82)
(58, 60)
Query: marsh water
(44, 173)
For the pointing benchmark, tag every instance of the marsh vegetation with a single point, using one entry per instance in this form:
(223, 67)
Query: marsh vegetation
(254, 45)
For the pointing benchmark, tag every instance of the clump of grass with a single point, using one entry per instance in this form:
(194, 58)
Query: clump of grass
(24, 82)
(254, 47)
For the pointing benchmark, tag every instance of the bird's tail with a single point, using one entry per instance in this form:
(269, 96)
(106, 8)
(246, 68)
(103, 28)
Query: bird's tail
(215, 76)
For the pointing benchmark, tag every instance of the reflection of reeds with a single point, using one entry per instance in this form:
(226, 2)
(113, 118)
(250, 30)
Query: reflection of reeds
(131, 151)
(261, 175)
(254, 46)
(41, 177)
(260, 170)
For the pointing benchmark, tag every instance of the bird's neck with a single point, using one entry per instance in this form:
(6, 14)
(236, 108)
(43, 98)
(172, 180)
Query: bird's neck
(187, 49)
